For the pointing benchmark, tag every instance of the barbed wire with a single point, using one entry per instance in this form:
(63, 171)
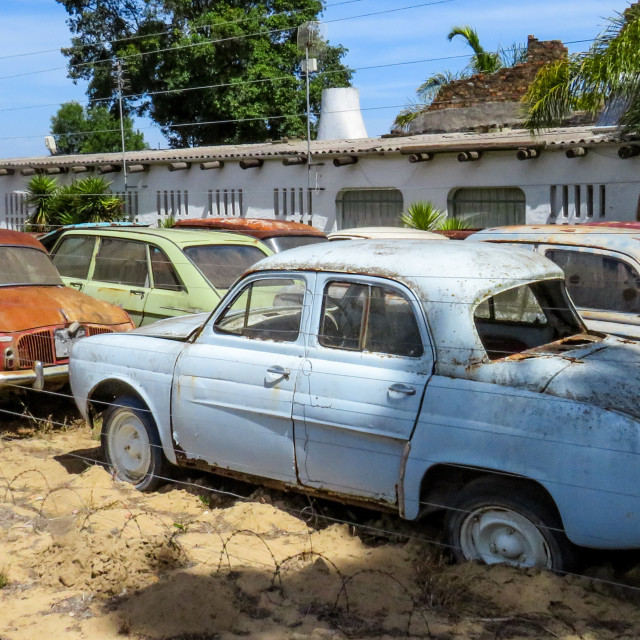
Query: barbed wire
(173, 532)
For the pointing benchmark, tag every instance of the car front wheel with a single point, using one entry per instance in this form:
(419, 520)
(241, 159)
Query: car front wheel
(506, 523)
(131, 444)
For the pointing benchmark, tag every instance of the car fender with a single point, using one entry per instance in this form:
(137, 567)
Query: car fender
(119, 361)
(583, 455)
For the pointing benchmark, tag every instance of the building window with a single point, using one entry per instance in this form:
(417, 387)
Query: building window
(16, 210)
(369, 208)
(226, 203)
(488, 207)
(131, 209)
(172, 204)
(577, 201)
(292, 203)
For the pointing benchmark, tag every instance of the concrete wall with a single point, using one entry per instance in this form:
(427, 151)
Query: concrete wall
(258, 189)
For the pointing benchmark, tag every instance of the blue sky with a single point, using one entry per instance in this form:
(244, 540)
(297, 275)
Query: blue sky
(33, 85)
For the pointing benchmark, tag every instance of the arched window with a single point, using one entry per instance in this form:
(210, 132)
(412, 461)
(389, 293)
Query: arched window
(368, 208)
(482, 207)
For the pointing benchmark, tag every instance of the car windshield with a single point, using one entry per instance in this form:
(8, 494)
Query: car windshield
(222, 264)
(27, 266)
(526, 317)
(282, 243)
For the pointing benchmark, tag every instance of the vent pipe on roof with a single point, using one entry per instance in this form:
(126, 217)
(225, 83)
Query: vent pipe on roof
(340, 115)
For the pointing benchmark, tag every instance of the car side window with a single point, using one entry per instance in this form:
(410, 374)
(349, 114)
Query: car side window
(164, 275)
(597, 281)
(73, 257)
(362, 317)
(122, 262)
(267, 309)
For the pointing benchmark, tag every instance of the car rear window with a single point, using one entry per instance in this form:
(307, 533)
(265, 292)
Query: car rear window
(525, 317)
(282, 243)
(222, 264)
(24, 265)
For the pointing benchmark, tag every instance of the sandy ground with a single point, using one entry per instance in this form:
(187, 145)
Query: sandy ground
(84, 556)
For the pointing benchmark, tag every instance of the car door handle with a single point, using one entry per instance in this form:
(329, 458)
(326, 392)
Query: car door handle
(137, 292)
(279, 371)
(76, 285)
(398, 387)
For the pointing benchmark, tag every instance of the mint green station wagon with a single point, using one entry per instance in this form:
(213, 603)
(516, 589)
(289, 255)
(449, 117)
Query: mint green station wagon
(155, 273)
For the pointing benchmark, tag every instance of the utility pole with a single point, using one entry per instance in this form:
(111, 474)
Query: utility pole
(120, 80)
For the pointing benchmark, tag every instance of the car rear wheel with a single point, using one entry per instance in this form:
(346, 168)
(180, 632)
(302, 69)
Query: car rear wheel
(498, 522)
(131, 444)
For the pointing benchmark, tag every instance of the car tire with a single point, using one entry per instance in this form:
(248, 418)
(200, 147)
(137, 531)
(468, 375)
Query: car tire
(497, 521)
(131, 444)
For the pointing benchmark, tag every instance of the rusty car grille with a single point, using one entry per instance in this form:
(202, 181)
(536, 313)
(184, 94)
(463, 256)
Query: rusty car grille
(36, 346)
(94, 331)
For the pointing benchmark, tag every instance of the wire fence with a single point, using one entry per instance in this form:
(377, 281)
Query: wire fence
(265, 569)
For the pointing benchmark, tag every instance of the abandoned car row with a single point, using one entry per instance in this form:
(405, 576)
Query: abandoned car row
(414, 376)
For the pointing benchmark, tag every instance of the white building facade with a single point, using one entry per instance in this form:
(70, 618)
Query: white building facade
(571, 175)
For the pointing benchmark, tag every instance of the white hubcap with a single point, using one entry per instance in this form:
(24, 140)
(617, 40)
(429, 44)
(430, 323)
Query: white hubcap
(494, 535)
(129, 446)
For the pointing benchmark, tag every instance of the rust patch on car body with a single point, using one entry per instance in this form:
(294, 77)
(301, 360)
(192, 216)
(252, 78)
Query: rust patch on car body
(257, 227)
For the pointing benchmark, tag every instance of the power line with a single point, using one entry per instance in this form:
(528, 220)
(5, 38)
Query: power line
(219, 40)
(166, 32)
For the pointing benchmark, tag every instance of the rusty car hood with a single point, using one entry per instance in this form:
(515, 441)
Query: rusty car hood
(30, 307)
(179, 328)
(608, 376)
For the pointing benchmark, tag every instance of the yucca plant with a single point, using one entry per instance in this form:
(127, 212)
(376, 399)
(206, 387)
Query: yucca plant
(422, 215)
(89, 200)
(427, 217)
(41, 192)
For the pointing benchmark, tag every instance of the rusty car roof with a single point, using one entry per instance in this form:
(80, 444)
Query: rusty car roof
(257, 227)
(616, 238)
(19, 238)
(457, 270)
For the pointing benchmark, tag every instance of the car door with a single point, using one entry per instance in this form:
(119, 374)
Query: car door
(367, 364)
(168, 295)
(233, 386)
(604, 285)
(72, 258)
(121, 275)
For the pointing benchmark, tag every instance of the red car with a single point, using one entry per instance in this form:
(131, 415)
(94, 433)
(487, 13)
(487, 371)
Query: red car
(40, 318)
(278, 235)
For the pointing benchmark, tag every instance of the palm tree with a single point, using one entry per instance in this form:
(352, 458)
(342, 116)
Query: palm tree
(609, 71)
(482, 61)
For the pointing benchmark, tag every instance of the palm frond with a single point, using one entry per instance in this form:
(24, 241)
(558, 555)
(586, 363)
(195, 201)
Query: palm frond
(422, 215)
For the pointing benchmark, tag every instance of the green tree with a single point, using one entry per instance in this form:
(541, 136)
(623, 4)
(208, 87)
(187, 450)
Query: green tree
(85, 200)
(608, 72)
(92, 130)
(482, 61)
(206, 71)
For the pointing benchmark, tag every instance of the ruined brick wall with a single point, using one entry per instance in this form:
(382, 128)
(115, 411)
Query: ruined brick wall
(505, 85)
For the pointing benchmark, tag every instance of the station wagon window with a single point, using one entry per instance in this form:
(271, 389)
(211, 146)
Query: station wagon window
(223, 264)
(73, 257)
(164, 275)
(525, 317)
(597, 281)
(122, 262)
(267, 309)
(362, 317)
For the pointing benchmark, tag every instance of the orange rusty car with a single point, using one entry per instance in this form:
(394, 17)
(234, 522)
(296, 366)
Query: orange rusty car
(40, 318)
(278, 235)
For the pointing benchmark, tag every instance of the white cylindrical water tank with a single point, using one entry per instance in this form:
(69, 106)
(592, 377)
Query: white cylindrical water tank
(340, 115)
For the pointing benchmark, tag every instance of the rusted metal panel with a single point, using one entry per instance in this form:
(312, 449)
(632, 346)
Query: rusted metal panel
(256, 227)
(19, 239)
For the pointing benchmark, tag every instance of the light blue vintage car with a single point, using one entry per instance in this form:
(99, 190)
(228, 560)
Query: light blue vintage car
(455, 377)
